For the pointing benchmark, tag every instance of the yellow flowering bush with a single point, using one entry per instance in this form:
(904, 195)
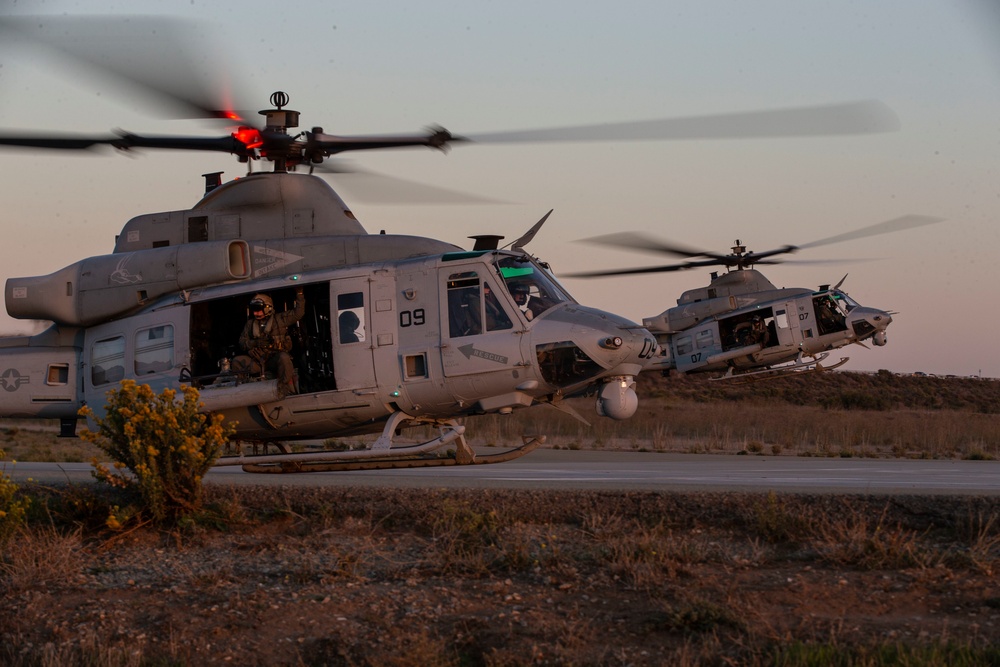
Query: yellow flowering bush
(159, 445)
(12, 508)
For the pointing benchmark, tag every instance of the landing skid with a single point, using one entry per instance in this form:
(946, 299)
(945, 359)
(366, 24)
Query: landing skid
(419, 461)
(798, 367)
(383, 453)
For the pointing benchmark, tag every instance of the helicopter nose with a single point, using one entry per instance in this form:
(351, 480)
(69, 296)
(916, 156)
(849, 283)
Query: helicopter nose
(578, 347)
(870, 323)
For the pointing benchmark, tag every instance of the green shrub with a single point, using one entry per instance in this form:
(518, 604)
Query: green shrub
(165, 443)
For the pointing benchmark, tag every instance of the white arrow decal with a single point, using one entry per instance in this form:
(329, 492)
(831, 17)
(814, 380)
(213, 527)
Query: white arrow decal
(268, 260)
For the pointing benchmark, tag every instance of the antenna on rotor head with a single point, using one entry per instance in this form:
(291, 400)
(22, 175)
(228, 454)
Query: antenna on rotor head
(279, 120)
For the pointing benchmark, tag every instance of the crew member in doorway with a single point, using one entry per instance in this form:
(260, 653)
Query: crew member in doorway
(267, 343)
(349, 323)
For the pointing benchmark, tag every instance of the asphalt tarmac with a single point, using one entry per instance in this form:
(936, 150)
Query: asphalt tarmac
(624, 471)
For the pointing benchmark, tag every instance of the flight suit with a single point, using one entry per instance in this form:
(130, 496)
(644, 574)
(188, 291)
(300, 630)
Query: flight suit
(267, 344)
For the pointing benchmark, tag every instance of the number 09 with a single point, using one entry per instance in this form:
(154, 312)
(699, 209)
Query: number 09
(411, 318)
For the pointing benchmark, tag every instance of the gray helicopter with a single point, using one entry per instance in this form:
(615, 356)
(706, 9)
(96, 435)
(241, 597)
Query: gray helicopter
(741, 326)
(370, 333)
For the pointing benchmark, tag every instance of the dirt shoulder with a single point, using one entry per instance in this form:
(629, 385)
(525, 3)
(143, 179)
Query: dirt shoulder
(474, 577)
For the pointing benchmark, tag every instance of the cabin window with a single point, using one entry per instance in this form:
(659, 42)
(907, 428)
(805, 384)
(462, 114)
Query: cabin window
(781, 319)
(464, 305)
(57, 375)
(154, 350)
(415, 366)
(108, 361)
(351, 317)
(704, 339)
(683, 345)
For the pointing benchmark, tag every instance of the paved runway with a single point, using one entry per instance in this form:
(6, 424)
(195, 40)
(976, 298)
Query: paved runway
(564, 469)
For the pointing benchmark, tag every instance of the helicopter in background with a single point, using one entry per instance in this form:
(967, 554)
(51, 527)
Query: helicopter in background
(744, 327)
(391, 331)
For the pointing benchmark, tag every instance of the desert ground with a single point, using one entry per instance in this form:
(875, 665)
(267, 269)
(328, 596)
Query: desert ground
(362, 576)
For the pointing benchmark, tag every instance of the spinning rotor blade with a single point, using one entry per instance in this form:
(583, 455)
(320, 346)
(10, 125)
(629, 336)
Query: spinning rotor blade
(642, 270)
(167, 60)
(227, 144)
(640, 242)
(378, 188)
(894, 225)
(329, 144)
(756, 257)
(636, 241)
(146, 53)
(57, 143)
(669, 268)
(863, 117)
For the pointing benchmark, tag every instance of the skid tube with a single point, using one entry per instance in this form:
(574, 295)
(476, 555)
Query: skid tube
(415, 461)
(799, 367)
(382, 454)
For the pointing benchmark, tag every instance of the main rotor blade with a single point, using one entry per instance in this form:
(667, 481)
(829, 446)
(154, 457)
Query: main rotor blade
(329, 144)
(636, 241)
(756, 257)
(225, 144)
(862, 117)
(161, 57)
(58, 143)
(894, 225)
(647, 269)
(377, 188)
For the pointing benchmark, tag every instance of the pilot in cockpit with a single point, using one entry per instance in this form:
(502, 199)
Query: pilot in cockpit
(522, 296)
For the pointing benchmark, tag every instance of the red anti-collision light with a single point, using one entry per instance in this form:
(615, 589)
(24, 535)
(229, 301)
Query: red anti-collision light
(249, 137)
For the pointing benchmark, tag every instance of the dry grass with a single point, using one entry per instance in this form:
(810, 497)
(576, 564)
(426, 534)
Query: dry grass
(831, 414)
(923, 418)
(489, 577)
(42, 557)
(465, 577)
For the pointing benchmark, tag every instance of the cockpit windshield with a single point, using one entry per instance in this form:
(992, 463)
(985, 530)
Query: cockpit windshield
(533, 289)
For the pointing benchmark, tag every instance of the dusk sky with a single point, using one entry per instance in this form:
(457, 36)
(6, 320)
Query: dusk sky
(477, 67)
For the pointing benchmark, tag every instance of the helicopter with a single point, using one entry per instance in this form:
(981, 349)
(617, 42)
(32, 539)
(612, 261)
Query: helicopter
(392, 331)
(388, 332)
(744, 328)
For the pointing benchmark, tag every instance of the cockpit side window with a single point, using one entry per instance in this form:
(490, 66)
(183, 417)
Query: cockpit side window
(465, 305)
(829, 313)
(496, 317)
